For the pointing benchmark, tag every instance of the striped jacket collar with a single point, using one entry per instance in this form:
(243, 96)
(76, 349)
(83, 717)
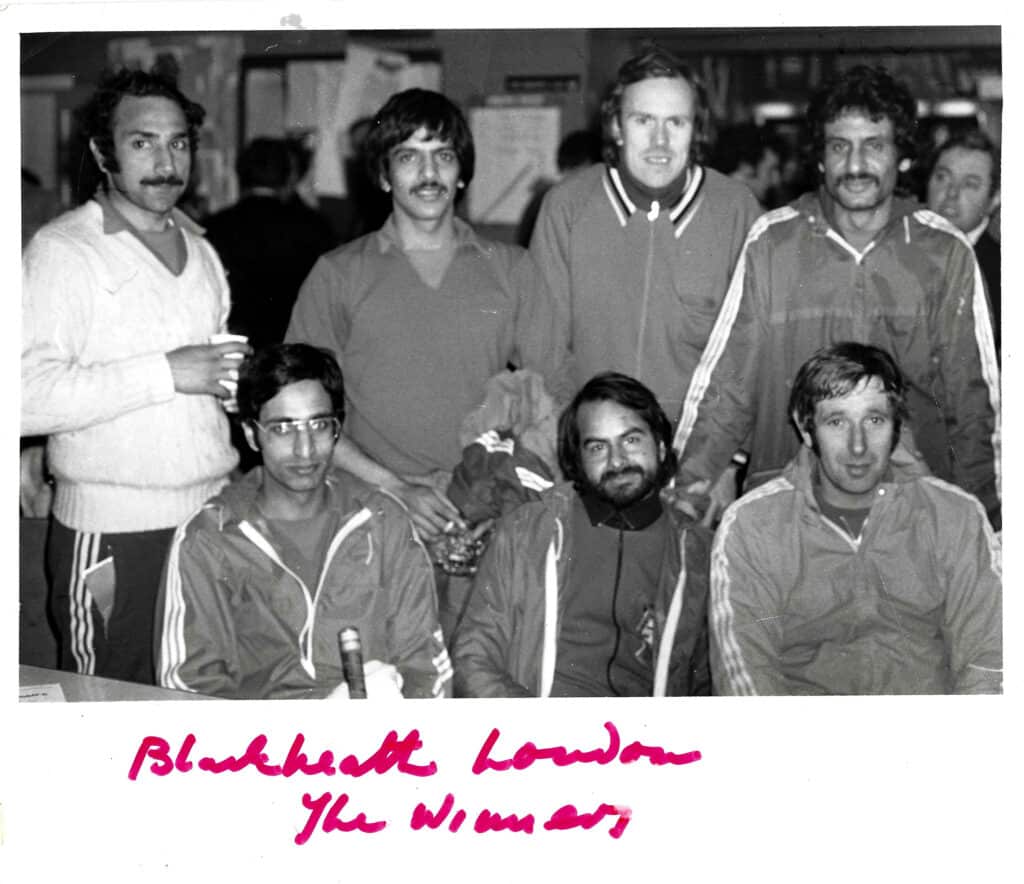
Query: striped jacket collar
(679, 212)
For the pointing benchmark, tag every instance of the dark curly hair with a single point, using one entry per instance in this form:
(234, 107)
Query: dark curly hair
(406, 112)
(654, 62)
(872, 91)
(96, 118)
(611, 386)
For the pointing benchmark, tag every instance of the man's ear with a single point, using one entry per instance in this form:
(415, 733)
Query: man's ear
(661, 452)
(905, 164)
(804, 435)
(97, 155)
(250, 436)
(995, 202)
(616, 130)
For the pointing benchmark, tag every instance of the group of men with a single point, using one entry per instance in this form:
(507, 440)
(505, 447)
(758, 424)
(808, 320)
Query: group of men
(680, 333)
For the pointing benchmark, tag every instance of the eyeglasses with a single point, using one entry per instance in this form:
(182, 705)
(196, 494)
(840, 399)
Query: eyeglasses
(322, 429)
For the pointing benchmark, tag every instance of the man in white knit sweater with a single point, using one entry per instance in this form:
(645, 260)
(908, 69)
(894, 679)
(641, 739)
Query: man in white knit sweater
(120, 298)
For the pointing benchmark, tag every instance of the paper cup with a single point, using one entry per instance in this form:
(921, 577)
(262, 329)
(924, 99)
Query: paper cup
(230, 383)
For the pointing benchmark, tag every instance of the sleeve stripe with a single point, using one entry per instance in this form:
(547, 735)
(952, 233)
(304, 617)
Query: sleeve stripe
(721, 331)
(721, 612)
(984, 339)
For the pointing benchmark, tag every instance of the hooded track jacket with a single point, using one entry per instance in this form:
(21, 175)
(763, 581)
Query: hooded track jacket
(234, 621)
(916, 292)
(506, 645)
(912, 607)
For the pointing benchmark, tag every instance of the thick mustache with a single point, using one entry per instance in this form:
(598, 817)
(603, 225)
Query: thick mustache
(849, 179)
(609, 475)
(166, 179)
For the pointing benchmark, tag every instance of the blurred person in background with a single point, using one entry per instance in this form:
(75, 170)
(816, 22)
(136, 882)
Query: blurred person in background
(964, 187)
(753, 155)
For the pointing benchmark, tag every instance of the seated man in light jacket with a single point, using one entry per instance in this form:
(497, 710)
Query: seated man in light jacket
(855, 572)
(262, 579)
(596, 589)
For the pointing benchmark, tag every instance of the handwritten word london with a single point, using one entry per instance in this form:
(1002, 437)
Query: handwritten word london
(329, 812)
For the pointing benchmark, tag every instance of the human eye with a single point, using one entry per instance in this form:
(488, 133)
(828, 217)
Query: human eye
(447, 155)
(140, 143)
(180, 143)
(593, 448)
(282, 429)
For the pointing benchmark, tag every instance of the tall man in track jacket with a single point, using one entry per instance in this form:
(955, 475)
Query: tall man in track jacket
(851, 262)
(596, 589)
(637, 251)
(262, 579)
(855, 572)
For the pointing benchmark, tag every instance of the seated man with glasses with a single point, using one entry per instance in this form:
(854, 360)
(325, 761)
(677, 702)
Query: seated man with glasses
(262, 579)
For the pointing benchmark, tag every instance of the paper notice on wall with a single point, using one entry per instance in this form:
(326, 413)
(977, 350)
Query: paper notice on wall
(342, 93)
(264, 112)
(515, 148)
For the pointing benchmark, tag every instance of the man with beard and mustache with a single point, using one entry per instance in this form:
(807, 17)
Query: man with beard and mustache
(850, 262)
(119, 300)
(595, 590)
(263, 578)
(420, 313)
(855, 572)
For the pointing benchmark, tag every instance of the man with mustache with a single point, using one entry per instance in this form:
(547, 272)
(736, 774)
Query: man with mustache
(596, 589)
(420, 313)
(850, 262)
(854, 571)
(262, 579)
(119, 300)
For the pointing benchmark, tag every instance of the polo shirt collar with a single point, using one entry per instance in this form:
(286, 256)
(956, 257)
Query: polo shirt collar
(115, 222)
(465, 235)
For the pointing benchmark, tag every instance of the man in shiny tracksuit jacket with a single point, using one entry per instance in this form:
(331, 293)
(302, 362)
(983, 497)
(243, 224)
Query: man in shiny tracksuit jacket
(261, 580)
(855, 572)
(851, 262)
(595, 589)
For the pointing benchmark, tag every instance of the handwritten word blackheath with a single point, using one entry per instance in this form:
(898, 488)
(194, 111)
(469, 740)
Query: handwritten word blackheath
(331, 813)
(528, 753)
(394, 753)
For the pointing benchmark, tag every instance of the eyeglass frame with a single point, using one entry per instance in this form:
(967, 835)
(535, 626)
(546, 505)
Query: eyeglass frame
(294, 426)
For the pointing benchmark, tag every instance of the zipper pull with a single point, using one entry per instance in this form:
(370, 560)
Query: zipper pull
(655, 208)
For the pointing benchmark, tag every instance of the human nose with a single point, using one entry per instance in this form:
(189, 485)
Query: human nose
(304, 442)
(858, 439)
(660, 134)
(164, 158)
(428, 168)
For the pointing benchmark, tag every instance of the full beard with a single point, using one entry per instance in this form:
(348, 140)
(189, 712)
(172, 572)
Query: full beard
(623, 496)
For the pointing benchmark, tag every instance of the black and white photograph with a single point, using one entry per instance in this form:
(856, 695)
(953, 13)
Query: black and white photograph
(628, 397)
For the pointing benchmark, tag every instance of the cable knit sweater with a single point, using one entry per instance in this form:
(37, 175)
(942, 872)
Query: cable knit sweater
(99, 311)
